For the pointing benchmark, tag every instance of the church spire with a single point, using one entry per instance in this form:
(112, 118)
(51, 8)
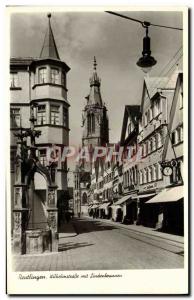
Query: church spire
(94, 97)
(94, 80)
(49, 49)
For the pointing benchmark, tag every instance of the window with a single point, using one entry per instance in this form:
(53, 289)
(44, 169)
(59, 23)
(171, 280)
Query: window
(144, 176)
(15, 118)
(154, 173)
(140, 177)
(41, 114)
(93, 123)
(181, 133)
(129, 128)
(12, 160)
(157, 107)
(159, 140)
(89, 123)
(152, 111)
(178, 135)
(149, 174)
(65, 117)
(42, 156)
(55, 114)
(42, 75)
(14, 80)
(146, 119)
(181, 100)
(54, 75)
(173, 137)
(133, 176)
(144, 149)
(153, 143)
(158, 172)
(63, 79)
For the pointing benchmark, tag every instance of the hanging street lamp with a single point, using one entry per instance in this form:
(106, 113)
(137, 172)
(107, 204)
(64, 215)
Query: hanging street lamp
(146, 62)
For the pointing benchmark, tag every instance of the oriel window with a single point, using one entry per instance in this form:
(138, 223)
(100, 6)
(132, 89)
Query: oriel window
(54, 114)
(14, 80)
(41, 114)
(54, 75)
(42, 75)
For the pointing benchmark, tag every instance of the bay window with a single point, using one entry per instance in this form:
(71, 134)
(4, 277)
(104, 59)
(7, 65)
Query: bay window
(54, 76)
(42, 74)
(54, 114)
(41, 114)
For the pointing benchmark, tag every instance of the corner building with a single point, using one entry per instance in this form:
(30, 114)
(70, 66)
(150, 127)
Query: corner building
(42, 82)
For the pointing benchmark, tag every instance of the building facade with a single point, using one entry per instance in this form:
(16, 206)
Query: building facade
(147, 187)
(38, 88)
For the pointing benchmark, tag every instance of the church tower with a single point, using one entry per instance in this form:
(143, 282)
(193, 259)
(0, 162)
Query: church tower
(95, 118)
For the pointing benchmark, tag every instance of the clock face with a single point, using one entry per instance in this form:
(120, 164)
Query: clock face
(167, 171)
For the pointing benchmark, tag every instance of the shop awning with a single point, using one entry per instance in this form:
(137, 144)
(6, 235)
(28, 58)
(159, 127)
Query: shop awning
(95, 206)
(122, 200)
(145, 195)
(169, 195)
(104, 205)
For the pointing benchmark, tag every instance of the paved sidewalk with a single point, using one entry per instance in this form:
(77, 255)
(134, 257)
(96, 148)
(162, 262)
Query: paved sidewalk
(145, 230)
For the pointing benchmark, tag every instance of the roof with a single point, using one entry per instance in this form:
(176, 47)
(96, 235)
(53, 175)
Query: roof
(154, 84)
(49, 49)
(132, 111)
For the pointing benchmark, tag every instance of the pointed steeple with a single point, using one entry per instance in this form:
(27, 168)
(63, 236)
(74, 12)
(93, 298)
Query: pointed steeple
(94, 80)
(49, 49)
(94, 97)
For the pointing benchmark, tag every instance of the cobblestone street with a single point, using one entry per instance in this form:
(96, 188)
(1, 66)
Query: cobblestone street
(98, 244)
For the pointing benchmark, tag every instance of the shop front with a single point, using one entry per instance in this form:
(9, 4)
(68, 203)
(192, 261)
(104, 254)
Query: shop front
(171, 205)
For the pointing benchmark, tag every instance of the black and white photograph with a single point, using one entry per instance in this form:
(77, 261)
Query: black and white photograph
(98, 164)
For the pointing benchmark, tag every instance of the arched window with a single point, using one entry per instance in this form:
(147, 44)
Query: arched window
(89, 123)
(92, 123)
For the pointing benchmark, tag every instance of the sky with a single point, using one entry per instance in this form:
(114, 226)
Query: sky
(117, 45)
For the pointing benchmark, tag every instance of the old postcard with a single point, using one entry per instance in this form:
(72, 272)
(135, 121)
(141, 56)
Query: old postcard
(97, 194)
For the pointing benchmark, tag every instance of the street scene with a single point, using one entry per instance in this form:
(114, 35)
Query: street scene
(97, 157)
